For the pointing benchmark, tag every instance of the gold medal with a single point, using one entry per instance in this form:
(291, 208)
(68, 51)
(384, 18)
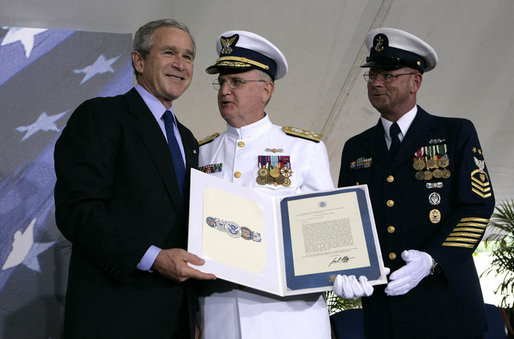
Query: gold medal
(275, 172)
(443, 162)
(434, 216)
(428, 175)
(261, 180)
(280, 180)
(270, 180)
(263, 172)
(437, 173)
(418, 164)
(287, 182)
(446, 173)
(420, 175)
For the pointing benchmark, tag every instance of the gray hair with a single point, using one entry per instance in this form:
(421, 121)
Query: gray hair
(143, 39)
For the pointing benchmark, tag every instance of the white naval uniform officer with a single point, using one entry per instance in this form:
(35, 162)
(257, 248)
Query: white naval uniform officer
(267, 158)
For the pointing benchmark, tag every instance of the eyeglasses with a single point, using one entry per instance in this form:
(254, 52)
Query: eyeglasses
(385, 77)
(234, 83)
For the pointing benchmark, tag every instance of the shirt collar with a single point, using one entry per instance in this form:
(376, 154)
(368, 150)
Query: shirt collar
(250, 131)
(404, 123)
(154, 105)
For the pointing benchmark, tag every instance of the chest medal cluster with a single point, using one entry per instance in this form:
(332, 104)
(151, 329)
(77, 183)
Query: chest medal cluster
(274, 170)
(431, 162)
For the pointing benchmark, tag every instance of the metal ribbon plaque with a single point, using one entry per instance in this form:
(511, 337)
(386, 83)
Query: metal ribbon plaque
(233, 229)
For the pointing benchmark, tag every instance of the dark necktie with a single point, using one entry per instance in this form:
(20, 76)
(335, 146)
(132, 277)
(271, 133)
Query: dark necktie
(176, 155)
(394, 130)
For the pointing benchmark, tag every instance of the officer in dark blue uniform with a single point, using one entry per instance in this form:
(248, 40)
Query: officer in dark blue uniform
(431, 196)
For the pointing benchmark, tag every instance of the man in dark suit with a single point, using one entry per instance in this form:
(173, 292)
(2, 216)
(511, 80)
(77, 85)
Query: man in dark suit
(121, 197)
(431, 198)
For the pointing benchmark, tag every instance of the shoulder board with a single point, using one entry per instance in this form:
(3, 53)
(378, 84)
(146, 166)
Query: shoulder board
(301, 133)
(208, 139)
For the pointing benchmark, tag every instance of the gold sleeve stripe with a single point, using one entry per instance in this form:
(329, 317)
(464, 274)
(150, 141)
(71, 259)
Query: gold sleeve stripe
(481, 188)
(456, 244)
(475, 219)
(461, 239)
(480, 183)
(480, 194)
(471, 224)
(465, 234)
(468, 229)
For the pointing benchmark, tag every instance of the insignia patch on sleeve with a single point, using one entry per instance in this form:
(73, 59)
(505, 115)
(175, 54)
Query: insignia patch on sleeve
(480, 184)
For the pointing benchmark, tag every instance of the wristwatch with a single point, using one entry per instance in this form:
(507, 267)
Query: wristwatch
(435, 268)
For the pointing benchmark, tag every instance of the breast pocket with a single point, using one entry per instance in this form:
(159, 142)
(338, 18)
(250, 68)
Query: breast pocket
(361, 176)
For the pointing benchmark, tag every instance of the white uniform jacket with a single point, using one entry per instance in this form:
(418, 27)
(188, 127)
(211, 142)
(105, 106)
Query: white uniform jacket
(236, 155)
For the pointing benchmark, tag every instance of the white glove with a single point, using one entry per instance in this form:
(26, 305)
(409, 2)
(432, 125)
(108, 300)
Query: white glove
(348, 287)
(404, 279)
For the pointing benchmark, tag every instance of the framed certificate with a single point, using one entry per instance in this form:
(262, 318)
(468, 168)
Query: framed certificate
(283, 245)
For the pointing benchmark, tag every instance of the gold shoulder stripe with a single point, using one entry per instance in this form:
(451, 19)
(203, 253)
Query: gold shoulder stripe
(301, 133)
(208, 139)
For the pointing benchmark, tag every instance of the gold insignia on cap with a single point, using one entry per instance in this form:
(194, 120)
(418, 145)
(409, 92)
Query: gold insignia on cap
(208, 139)
(227, 43)
(379, 47)
(298, 132)
(233, 61)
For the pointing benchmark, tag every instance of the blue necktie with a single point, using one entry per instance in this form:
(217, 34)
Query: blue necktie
(176, 155)
(394, 130)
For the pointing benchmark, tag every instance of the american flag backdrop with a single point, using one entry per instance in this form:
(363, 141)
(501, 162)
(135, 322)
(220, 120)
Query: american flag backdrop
(44, 75)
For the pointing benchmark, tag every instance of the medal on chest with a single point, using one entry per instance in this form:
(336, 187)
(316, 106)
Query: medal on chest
(274, 170)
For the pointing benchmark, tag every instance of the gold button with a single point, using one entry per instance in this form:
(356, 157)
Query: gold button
(241, 144)
(237, 174)
(391, 229)
(390, 203)
(392, 255)
(390, 178)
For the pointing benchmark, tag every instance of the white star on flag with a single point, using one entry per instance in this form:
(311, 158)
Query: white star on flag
(25, 251)
(100, 66)
(24, 35)
(44, 122)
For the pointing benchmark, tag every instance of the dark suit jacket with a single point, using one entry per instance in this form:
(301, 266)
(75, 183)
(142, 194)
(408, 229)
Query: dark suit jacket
(445, 217)
(116, 194)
